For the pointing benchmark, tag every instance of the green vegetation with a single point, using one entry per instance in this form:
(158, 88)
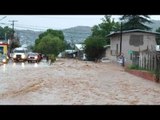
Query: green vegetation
(108, 25)
(52, 57)
(137, 67)
(7, 33)
(50, 42)
(135, 22)
(14, 44)
(94, 47)
(94, 44)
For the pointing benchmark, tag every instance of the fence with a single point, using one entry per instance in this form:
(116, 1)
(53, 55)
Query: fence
(149, 60)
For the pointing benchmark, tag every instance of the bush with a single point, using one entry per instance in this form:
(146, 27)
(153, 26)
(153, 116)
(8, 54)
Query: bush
(136, 67)
(94, 47)
(52, 58)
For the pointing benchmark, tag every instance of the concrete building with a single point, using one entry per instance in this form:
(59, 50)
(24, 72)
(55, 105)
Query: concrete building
(133, 41)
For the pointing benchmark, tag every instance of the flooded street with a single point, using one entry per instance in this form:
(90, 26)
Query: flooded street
(69, 82)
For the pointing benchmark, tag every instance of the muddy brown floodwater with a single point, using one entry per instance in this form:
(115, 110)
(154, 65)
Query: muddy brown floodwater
(71, 82)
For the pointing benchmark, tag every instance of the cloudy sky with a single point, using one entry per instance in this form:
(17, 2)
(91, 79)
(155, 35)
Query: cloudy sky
(43, 22)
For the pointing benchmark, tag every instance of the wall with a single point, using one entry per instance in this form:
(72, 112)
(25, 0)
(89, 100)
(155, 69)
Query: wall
(148, 40)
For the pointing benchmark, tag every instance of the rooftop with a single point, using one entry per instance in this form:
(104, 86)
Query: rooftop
(80, 46)
(130, 31)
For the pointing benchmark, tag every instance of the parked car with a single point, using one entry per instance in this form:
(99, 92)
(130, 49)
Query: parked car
(105, 59)
(34, 57)
(4, 59)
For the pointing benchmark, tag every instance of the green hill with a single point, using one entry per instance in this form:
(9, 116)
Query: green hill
(75, 34)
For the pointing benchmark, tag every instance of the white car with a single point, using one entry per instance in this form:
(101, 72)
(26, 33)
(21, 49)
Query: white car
(105, 59)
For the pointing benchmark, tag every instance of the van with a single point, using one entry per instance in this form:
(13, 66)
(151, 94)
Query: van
(20, 54)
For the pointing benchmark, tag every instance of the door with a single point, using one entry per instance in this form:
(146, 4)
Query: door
(135, 58)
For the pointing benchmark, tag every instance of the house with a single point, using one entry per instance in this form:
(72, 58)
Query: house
(3, 47)
(79, 48)
(107, 52)
(133, 41)
(67, 54)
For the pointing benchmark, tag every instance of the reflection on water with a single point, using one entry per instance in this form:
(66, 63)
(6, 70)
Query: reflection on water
(4, 67)
(14, 64)
(7, 68)
(23, 65)
(35, 65)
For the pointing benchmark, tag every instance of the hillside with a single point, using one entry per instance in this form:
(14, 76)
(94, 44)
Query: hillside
(27, 36)
(75, 34)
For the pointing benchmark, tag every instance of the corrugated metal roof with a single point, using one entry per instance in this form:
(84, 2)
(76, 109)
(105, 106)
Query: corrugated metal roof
(80, 46)
(70, 51)
(106, 46)
(129, 31)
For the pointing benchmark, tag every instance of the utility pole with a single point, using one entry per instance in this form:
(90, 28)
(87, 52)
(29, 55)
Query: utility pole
(121, 39)
(12, 36)
(13, 24)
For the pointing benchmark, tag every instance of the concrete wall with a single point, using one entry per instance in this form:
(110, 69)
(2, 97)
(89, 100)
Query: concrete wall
(148, 40)
(108, 52)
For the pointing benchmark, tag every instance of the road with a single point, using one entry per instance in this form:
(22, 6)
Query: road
(71, 82)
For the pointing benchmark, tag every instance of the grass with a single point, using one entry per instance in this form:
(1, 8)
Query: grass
(137, 67)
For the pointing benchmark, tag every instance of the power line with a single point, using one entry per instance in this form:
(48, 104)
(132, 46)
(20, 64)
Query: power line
(3, 18)
(29, 28)
(33, 26)
(44, 28)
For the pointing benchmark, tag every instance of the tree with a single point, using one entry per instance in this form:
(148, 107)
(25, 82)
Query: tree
(94, 47)
(108, 25)
(8, 32)
(50, 42)
(135, 22)
(50, 45)
(14, 41)
(94, 44)
(5, 33)
(158, 37)
(13, 45)
(58, 33)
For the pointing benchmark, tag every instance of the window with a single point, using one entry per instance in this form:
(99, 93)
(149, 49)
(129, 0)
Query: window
(136, 40)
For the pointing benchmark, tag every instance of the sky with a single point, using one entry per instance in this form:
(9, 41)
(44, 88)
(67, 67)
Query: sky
(44, 22)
